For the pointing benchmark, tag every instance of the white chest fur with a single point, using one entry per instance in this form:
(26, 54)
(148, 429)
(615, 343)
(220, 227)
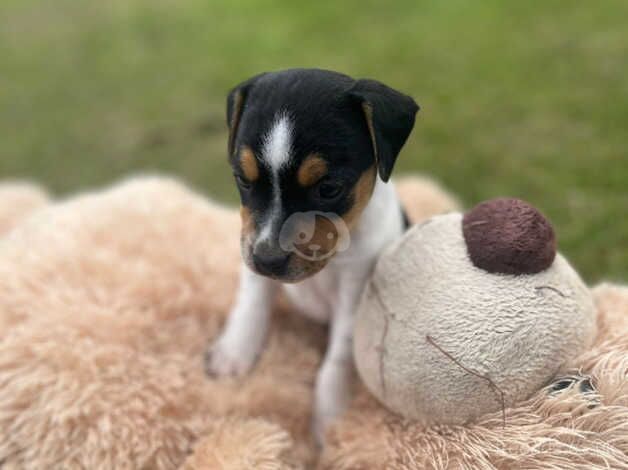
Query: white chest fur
(340, 283)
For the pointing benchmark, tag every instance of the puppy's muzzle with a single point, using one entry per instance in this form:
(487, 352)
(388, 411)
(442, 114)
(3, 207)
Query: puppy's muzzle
(270, 259)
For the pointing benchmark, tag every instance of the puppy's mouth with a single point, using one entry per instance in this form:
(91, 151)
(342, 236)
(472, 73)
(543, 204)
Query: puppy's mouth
(297, 267)
(294, 274)
(312, 252)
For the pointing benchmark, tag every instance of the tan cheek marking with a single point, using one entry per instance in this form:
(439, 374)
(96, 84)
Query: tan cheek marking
(362, 192)
(248, 225)
(311, 170)
(249, 164)
(303, 265)
(322, 228)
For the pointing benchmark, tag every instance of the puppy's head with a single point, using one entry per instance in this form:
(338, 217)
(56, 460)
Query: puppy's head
(306, 147)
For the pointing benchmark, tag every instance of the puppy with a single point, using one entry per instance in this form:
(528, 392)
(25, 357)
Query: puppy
(312, 152)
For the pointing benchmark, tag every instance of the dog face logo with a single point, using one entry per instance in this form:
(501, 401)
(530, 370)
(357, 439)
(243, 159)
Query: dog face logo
(314, 235)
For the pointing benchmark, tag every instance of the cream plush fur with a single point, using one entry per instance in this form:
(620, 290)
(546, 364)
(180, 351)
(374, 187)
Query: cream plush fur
(18, 200)
(106, 304)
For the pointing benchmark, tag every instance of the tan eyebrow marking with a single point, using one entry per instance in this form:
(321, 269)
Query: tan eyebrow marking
(362, 192)
(311, 170)
(248, 163)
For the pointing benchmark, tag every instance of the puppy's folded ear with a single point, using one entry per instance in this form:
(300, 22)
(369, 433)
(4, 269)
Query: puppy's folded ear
(235, 105)
(389, 117)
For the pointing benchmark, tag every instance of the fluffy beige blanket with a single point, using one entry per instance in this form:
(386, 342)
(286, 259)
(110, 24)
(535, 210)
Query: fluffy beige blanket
(107, 301)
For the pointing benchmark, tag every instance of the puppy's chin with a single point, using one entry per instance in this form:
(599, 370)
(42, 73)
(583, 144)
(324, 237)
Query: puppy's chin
(295, 273)
(298, 272)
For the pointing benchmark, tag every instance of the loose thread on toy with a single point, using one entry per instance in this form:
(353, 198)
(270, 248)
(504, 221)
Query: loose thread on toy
(553, 289)
(474, 373)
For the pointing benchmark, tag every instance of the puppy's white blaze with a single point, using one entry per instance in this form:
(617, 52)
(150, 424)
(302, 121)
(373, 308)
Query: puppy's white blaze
(267, 228)
(276, 153)
(278, 142)
(272, 219)
(271, 222)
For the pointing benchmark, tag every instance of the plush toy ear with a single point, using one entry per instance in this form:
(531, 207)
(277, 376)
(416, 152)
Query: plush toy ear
(235, 105)
(389, 117)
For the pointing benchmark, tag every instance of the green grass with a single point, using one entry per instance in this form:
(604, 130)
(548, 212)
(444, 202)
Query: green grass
(528, 99)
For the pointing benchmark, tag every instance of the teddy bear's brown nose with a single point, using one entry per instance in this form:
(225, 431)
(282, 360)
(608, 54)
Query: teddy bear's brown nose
(509, 236)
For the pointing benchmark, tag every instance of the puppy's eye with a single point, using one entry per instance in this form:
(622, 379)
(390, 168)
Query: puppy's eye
(244, 184)
(329, 190)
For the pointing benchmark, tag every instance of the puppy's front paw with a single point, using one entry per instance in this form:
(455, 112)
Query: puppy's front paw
(320, 424)
(333, 393)
(227, 359)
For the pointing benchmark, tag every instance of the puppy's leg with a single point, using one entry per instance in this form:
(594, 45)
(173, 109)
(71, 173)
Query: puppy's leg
(237, 348)
(335, 377)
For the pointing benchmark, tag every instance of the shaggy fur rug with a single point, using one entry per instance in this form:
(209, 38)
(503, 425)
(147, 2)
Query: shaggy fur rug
(107, 301)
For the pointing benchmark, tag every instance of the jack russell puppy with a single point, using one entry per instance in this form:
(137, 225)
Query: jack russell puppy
(312, 152)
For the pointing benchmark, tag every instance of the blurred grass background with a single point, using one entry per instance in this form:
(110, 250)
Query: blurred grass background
(528, 99)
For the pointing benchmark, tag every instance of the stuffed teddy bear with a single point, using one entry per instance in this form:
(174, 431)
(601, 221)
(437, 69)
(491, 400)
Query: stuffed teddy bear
(469, 314)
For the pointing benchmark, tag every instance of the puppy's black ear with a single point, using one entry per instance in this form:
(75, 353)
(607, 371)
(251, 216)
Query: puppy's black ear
(235, 105)
(389, 118)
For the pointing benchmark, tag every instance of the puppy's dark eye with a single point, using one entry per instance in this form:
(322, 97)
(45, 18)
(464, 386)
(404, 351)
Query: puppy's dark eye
(242, 183)
(329, 190)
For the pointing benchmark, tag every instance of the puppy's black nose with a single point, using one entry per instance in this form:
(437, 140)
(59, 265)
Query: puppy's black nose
(272, 263)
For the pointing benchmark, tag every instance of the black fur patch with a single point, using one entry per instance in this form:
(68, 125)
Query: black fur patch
(328, 119)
